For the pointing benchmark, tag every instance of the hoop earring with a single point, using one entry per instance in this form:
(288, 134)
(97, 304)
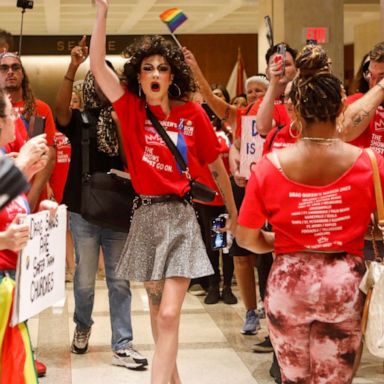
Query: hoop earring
(177, 88)
(139, 90)
(298, 130)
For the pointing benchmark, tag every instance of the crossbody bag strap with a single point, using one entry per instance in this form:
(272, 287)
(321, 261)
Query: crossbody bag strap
(170, 144)
(379, 201)
(85, 145)
(378, 188)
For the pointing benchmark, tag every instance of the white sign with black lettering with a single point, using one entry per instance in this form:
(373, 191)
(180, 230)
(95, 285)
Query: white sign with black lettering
(252, 145)
(40, 275)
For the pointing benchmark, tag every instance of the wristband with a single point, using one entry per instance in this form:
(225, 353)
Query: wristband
(68, 78)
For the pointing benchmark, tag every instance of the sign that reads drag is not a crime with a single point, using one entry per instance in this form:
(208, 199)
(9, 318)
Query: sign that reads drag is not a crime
(251, 145)
(40, 272)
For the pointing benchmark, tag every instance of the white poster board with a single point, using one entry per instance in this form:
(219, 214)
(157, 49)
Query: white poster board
(40, 274)
(252, 145)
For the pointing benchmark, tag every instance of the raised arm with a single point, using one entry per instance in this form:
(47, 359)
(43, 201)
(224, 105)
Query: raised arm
(63, 99)
(264, 116)
(222, 109)
(107, 80)
(357, 116)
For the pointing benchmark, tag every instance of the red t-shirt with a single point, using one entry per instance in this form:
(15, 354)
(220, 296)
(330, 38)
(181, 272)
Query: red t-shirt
(377, 131)
(277, 139)
(317, 218)
(205, 175)
(152, 166)
(42, 110)
(20, 137)
(280, 115)
(60, 172)
(8, 259)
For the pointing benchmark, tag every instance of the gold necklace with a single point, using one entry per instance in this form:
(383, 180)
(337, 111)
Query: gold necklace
(321, 140)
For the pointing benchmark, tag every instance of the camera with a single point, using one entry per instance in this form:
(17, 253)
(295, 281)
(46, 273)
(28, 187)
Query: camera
(25, 4)
(218, 239)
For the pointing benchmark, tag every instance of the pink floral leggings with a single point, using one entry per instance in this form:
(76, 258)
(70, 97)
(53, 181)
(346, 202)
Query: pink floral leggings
(314, 307)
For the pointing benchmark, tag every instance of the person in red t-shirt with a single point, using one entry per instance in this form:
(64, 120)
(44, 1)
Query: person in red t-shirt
(15, 80)
(32, 157)
(164, 246)
(319, 216)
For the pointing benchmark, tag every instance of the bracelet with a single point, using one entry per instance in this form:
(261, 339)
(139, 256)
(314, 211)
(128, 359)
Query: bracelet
(380, 86)
(68, 78)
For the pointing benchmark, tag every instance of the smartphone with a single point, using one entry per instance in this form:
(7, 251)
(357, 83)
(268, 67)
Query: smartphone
(36, 126)
(281, 51)
(218, 239)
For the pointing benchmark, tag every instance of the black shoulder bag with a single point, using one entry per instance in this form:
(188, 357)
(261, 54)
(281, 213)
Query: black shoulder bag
(198, 190)
(106, 198)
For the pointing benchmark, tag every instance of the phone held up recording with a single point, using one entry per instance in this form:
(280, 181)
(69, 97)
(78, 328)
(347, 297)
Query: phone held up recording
(218, 238)
(280, 57)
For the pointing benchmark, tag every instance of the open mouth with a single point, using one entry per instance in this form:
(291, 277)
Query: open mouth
(155, 87)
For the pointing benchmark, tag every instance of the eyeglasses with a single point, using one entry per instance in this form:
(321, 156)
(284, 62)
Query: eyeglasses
(4, 68)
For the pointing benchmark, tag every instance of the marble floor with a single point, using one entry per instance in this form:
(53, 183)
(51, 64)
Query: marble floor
(212, 350)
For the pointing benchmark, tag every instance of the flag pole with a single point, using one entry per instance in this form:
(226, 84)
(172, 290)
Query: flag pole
(176, 40)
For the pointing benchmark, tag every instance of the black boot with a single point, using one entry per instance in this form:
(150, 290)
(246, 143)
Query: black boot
(228, 296)
(274, 371)
(213, 295)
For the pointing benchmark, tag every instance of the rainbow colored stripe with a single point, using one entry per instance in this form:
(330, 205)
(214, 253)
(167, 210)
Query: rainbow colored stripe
(173, 17)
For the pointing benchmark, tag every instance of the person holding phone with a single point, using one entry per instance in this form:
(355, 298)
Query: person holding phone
(13, 233)
(31, 111)
(164, 248)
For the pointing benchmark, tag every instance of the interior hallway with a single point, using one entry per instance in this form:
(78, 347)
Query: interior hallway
(212, 350)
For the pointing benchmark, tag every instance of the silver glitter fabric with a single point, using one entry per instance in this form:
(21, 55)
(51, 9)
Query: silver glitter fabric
(164, 241)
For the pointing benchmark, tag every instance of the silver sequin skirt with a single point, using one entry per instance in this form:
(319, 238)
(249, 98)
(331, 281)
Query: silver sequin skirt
(164, 241)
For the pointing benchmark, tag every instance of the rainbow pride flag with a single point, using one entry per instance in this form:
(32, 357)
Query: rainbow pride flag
(173, 17)
(16, 358)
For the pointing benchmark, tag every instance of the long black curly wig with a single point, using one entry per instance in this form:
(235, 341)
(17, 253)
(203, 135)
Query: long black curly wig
(157, 45)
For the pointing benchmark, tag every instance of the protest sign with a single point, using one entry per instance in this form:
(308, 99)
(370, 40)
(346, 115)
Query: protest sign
(251, 145)
(40, 274)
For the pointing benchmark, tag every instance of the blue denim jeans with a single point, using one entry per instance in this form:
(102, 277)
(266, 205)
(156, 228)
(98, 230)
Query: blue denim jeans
(87, 240)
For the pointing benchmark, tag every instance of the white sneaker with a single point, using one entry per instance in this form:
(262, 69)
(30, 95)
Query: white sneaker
(129, 358)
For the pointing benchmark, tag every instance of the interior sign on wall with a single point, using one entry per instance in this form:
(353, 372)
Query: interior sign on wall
(320, 35)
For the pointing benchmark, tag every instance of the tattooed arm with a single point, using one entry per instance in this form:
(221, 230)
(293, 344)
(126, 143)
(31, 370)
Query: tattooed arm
(221, 108)
(357, 116)
(222, 180)
(255, 240)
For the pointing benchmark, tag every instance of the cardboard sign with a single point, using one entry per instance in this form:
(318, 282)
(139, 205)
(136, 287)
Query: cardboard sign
(251, 145)
(40, 274)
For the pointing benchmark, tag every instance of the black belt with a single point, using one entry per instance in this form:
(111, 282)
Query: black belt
(150, 200)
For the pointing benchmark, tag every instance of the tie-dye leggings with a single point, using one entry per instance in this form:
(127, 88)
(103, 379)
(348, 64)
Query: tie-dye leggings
(314, 307)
